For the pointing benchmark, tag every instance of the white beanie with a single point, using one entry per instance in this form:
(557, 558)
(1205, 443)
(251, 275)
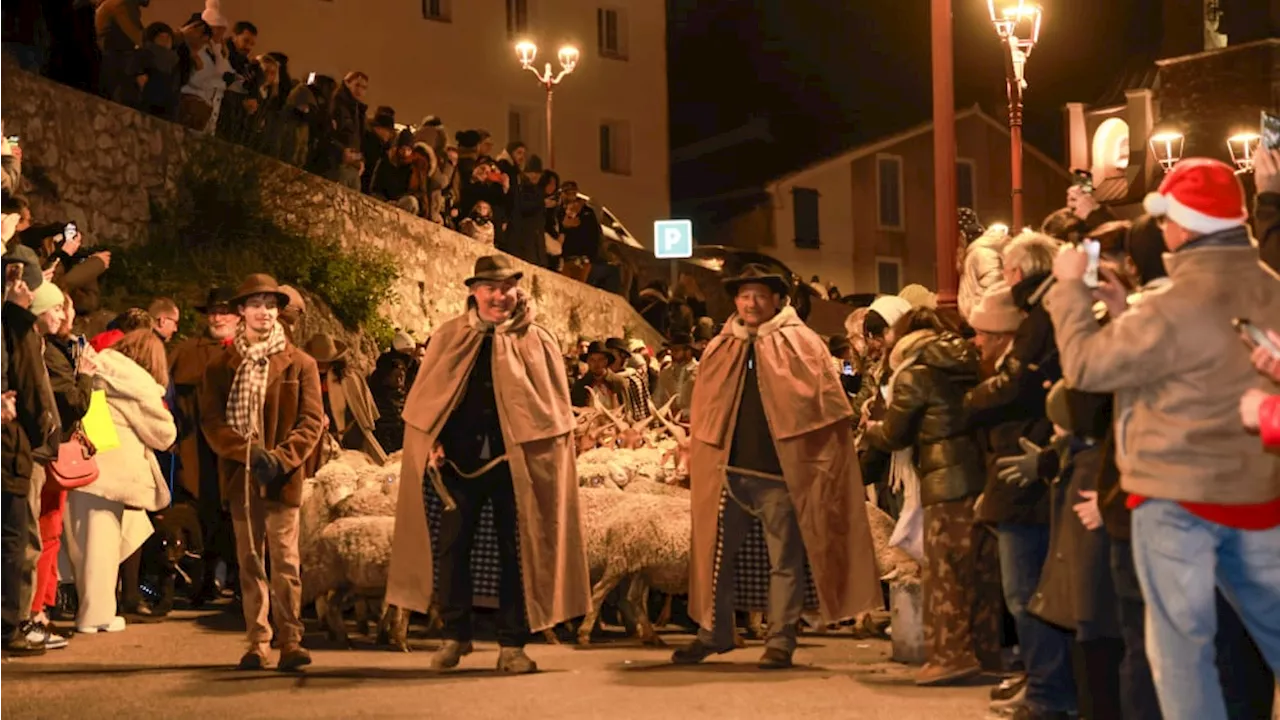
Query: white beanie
(45, 298)
(891, 308)
(402, 342)
(212, 15)
(995, 313)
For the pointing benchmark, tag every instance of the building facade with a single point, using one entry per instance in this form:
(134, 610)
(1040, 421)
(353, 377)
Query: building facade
(864, 220)
(456, 59)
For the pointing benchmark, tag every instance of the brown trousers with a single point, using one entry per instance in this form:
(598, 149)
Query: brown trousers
(961, 587)
(273, 527)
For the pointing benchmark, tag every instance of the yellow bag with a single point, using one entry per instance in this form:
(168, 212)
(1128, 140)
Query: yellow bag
(98, 425)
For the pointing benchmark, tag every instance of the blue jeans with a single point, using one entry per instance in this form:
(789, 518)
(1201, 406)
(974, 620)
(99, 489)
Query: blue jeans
(1180, 559)
(1046, 650)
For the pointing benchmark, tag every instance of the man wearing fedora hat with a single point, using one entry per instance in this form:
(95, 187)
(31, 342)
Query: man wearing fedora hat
(392, 375)
(261, 412)
(772, 439)
(675, 381)
(348, 404)
(634, 382)
(489, 418)
(600, 378)
(198, 465)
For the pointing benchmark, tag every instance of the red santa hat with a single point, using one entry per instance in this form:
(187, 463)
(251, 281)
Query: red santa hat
(1201, 195)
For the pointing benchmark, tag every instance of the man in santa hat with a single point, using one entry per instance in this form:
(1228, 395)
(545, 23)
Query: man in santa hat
(1205, 494)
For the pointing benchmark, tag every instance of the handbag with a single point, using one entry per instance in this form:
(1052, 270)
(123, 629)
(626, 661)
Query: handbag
(75, 465)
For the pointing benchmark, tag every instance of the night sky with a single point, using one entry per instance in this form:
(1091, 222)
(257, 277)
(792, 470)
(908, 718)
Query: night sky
(832, 74)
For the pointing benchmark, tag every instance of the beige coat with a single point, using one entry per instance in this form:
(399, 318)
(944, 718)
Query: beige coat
(532, 394)
(351, 394)
(812, 426)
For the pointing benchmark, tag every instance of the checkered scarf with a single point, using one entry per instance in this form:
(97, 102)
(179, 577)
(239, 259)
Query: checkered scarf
(249, 389)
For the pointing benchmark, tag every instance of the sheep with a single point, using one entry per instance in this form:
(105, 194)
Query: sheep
(352, 558)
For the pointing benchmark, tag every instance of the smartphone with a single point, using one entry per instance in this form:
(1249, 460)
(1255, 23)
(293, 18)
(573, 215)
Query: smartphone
(1270, 131)
(1093, 249)
(1254, 336)
(15, 140)
(311, 79)
(1082, 179)
(70, 231)
(847, 368)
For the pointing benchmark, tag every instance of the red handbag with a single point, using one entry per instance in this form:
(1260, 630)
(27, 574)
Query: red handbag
(75, 465)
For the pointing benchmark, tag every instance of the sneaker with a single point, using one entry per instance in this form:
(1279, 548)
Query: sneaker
(293, 658)
(694, 653)
(20, 643)
(775, 659)
(450, 654)
(116, 625)
(40, 633)
(933, 675)
(252, 660)
(513, 660)
(1011, 692)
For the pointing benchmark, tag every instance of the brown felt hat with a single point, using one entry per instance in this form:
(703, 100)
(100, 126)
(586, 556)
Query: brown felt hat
(493, 268)
(259, 284)
(760, 275)
(325, 349)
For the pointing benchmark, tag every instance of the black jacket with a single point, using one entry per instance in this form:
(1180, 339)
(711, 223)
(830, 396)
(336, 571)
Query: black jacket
(926, 413)
(389, 181)
(1010, 406)
(348, 121)
(33, 436)
(1266, 228)
(71, 392)
(581, 235)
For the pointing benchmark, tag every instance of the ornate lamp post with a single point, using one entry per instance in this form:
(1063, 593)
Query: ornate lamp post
(1242, 148)
(1017, 23)
(1166, 148)
(527, 52)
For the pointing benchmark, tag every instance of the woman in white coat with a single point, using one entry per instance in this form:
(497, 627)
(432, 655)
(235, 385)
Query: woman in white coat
(106, 521)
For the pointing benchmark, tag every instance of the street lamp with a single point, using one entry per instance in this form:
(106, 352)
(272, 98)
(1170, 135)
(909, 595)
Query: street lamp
(1166, 147)
(527, 52)
(1243, 147)
(1017, 23)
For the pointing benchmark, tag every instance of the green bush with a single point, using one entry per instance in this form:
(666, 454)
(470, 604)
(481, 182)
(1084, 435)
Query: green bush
(214, 232)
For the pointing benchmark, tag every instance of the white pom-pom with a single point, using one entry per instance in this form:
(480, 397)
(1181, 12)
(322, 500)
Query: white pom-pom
(1156, 204)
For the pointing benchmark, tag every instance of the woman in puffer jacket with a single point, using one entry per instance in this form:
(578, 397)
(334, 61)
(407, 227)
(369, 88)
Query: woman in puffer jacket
(106, 519)
(931, 367)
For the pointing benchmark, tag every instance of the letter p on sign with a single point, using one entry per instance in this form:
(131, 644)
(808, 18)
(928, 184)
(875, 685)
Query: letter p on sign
(672, 239)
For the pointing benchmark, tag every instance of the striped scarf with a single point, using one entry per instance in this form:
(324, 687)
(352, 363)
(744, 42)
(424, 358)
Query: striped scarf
(249, 389)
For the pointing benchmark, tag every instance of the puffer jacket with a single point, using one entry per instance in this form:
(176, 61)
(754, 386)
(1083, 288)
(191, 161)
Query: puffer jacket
(925, 412)
(129, 474)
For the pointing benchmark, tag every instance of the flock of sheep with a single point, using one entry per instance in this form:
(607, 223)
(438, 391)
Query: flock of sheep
(635, 506)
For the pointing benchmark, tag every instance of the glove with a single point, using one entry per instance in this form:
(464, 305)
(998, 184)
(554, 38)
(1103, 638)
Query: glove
(1021, 470)
(263, 466)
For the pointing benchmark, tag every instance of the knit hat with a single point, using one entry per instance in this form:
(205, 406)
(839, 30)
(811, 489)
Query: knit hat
(1200, 194)
(891, 308)
(45, 298)
(533, 164)
(212, 15)
(995, 313)
(919, 296)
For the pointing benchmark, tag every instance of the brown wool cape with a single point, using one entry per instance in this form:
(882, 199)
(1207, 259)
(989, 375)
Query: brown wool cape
(532, 393)
(811, 421)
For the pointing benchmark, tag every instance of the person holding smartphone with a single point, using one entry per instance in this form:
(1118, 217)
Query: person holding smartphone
(1259, 410)
(1266, 207)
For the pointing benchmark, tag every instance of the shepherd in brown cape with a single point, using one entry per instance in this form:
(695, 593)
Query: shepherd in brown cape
(490, 413)
(778, 447)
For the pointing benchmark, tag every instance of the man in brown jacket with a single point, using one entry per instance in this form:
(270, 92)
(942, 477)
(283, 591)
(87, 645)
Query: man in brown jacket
(489, 418)
(198, 469)
(1205, 494)
(772, 439)
(261, 412)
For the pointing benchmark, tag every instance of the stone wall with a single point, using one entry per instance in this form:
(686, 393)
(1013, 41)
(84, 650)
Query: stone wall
(105, 167)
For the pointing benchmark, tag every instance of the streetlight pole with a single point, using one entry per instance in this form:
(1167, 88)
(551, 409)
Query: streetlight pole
(527, 52)
(1018, 25)
(944, 154)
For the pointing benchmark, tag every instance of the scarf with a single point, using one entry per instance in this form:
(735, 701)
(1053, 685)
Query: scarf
(249, 388)
(908, 533)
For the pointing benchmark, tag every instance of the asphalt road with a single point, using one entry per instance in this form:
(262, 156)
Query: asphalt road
(183, 668)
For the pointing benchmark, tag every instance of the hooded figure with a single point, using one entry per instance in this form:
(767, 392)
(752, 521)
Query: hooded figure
(491, 402)
(772, 438)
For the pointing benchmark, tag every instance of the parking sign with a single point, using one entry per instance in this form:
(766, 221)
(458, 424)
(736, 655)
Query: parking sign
(672, 239)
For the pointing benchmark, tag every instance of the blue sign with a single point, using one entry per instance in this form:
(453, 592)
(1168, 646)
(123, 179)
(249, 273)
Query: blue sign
(672, 239)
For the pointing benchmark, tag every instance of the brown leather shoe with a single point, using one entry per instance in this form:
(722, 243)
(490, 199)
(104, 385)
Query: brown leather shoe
(513, 660)
(252, 661)
(450, 654)
(932, 675)
(293, 658)
(775, 659)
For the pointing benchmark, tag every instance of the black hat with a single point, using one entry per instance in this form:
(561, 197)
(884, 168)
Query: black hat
(32, 275)
(759, 274)
(405, 138)
(385, 118)
(533, 164)
(217, 296)
(679, 339)
(493, 268)
(467, 138)
(597, 348)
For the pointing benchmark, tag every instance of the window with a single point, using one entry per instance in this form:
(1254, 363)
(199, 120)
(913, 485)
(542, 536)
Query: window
(525, 125)
(615, 147)
(806, 216)
(435, 10)
(611, 33)
(888, 276)
(965, 194)
(515, 125)
(517, 17)
(889, 192)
